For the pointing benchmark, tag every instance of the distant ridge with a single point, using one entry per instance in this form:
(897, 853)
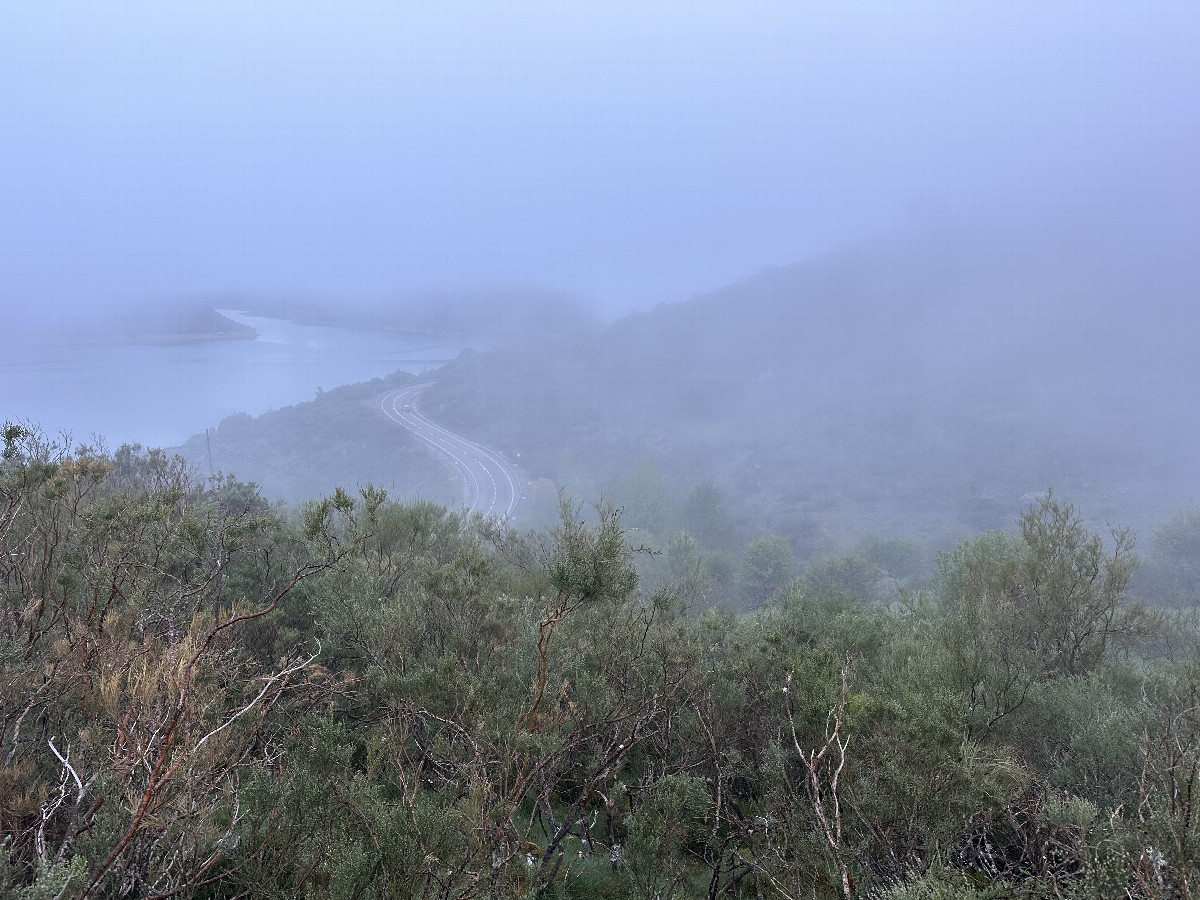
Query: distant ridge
(924, 380)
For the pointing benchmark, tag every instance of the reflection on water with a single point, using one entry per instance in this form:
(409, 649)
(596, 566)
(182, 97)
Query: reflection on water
(160, 395)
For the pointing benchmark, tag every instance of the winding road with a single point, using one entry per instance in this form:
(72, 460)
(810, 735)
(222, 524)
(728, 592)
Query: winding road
(491, 486)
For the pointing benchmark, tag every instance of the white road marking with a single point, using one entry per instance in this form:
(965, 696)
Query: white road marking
(499, 496)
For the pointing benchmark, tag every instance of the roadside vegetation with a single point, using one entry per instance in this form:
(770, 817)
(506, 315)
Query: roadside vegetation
(206, 695)
(306, 450)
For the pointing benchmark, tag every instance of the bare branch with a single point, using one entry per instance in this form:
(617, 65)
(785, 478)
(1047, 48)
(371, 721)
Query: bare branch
(245, 709)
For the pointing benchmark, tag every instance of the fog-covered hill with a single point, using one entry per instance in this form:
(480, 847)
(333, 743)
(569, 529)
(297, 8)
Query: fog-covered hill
(923, 383)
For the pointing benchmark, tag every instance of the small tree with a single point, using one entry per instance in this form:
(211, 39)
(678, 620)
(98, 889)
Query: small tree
(646, 500)
(767, 565)
(1029, 608)
(706, 515)
(1174, 566)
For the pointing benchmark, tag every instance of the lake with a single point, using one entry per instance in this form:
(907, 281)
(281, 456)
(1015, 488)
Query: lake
(159, 395)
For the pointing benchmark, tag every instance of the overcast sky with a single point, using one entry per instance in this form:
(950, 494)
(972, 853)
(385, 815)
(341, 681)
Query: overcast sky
(628, 152)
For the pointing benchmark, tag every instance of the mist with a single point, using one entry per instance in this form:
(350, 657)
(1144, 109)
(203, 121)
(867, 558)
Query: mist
(623, 153)
(564, 448)
(680, 234)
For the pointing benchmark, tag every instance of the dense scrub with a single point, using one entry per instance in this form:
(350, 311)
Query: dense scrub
(202, 696)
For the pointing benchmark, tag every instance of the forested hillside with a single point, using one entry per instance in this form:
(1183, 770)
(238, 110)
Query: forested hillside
(923, 384)
(204, 696)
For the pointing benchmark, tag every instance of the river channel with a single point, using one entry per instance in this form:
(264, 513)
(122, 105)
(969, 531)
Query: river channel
(159, 395)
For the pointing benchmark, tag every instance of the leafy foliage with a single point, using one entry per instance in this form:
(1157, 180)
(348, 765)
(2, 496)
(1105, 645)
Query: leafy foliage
(202, 695)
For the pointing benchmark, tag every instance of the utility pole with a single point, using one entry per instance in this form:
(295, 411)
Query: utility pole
(208, 444)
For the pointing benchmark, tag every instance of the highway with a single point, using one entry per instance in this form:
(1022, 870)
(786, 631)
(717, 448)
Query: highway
(490, 485)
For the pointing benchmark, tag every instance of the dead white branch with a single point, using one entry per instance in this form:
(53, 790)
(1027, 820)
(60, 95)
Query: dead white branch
(824, 772)
(274, 679)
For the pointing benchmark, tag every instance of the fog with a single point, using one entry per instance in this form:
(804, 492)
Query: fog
(613, 448)
(937, 250)
(627, 153)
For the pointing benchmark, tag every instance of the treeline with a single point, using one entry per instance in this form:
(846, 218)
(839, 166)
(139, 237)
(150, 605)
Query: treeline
(202, 695)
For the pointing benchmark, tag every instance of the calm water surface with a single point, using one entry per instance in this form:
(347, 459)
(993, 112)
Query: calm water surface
(160, 395)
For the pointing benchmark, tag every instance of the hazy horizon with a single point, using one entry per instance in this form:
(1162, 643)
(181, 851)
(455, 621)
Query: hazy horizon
(962, 204)
(623, 153)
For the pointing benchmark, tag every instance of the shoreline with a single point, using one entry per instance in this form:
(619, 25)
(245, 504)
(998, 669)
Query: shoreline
(166, 339)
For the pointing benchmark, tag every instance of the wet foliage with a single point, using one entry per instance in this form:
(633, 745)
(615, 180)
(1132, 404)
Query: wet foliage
(204, 695)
